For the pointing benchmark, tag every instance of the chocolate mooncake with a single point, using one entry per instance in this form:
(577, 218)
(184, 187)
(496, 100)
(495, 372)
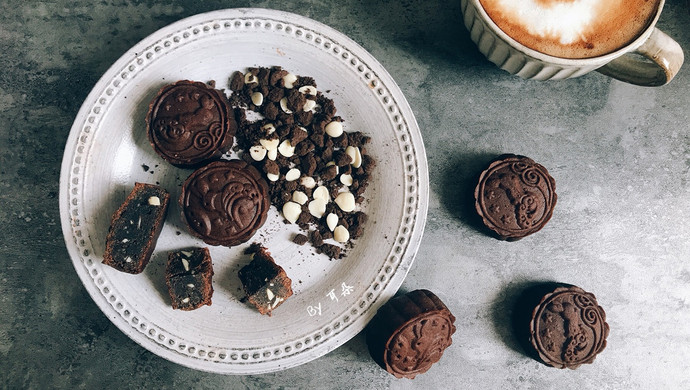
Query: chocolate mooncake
(188, 275)
(568, 327)
(190, 123)
(135, 227)
(515, 197)
(409, 333)
(225, 202)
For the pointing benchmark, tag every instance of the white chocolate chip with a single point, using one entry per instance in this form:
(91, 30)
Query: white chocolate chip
(286, 148)
(269, 144)
(309, 106)
(308, 90)
(185, 264)
(190, 285)
(322, 193)
(289, 80)
(257, 152)
(186, 254)
(346, 201)
(186, 300)
(299, 197)
(250, 79)
(317, 207)
(154, 201)
(257, 98)
(270, 294)
(269, 128)
(332, 221)
(293, 174)
(128, 259)
(272, 176)
(284, 107)
(346, 179)
(355, 155)
(341, 234)
(291, 211)
(334, 129)
(125, 240)
(308, 182)
(272, 154)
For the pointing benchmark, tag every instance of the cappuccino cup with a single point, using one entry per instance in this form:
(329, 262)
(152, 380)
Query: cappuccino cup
(561, 39)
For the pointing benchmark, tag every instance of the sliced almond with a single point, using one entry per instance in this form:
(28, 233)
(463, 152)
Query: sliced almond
(286, 148)
(346, 179)
(257, 98)
(308, 90)
(257, 152)
(291, 211)
(308, 182)
(341, 234)
(293, 174)
(332, 221)
(300, 197)
(289, 80)
(334, 129)
(322, 193)
(346, 201)
(284, 107)
(317, 207)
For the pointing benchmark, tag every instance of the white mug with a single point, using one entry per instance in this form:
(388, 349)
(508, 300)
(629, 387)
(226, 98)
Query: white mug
(661, 56)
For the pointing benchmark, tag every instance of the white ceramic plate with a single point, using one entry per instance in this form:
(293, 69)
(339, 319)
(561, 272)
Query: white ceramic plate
(107, 152)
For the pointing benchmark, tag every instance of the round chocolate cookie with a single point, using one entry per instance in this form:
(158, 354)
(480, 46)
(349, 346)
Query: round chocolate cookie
(568, 328)
(189, 123)
(225, 202)
(409, 333)
(515, 197)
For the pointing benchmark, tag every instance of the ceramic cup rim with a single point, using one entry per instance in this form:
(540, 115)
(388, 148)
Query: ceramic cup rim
(588, 61)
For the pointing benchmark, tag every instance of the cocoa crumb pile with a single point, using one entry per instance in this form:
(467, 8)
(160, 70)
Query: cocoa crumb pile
(317, 172)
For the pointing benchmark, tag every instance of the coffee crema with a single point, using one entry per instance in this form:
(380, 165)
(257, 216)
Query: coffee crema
(572, 28)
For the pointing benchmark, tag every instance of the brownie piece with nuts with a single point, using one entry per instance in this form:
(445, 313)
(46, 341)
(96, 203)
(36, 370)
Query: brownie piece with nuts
(316, 171)
(189, 275)
(135, 227)
(266, 284)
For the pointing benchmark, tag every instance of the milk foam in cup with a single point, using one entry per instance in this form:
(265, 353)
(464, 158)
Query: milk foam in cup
(559, 39)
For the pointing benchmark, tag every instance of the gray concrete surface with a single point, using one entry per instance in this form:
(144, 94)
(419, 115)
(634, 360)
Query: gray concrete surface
(620, 155)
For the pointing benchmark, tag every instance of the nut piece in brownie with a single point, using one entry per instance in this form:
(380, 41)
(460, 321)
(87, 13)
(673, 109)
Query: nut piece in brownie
(190, 123)
(188, 275)
(317, 172)
(265, 282)
(135, 227)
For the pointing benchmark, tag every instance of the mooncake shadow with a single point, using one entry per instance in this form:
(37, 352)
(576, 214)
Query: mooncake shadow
(511, 313)
(458, 181)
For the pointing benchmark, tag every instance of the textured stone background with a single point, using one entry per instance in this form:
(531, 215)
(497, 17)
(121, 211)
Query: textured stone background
(620, 155)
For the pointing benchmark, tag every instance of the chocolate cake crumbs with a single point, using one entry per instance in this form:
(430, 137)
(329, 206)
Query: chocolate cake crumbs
(303, 151)
(300, 239)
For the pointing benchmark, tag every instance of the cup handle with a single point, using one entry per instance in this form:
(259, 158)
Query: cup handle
(663, 58)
